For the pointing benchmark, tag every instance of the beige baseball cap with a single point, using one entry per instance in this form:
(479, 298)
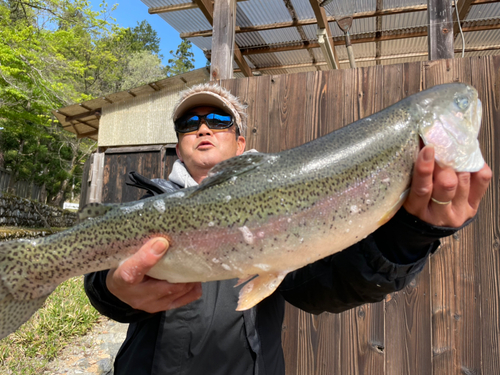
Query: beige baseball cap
(213, 95)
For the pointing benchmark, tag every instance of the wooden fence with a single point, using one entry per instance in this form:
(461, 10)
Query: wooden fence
(448, 320)
(23, 189)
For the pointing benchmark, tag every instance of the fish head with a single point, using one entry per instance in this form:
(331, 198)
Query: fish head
(450, 119)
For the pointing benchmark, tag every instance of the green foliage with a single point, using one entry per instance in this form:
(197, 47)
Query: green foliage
(66, 314)
(183, 60)
(54, 53)
(142, 38)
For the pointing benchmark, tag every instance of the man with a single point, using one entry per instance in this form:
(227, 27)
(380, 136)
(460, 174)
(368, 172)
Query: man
(194, 329)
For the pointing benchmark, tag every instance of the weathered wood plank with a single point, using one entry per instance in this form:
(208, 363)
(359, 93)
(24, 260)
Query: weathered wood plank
(258, 98)
(224, 21)
(370, 320)
(332, 107)
(293, 99)
(408, 326)
(316, 88)
(275, 116)
(443, 302)
(486, 78)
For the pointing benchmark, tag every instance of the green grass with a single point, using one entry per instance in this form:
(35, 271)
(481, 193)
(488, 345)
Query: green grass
(67, 313)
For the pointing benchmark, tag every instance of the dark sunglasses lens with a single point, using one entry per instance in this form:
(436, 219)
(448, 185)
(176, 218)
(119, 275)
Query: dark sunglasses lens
(219, 121)
(187, 124)
(191, 123)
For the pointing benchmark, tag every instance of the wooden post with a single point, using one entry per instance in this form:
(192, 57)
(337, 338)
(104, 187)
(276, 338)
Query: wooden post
(223, 39)
(96, 177)
(440, 29)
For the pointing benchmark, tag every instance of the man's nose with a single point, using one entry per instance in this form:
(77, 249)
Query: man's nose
(204, 129)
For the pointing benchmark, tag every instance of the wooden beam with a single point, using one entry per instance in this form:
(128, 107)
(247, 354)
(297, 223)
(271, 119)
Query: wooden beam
(367, 59)
(94, 112)
(88, 134)
(312, 21)
(328, 49)
(172, 8)
(240, 61)
(378, 31)
(207, 8)
(463, 10)
(414, 32)
(175, 7)
(223, 40)
(440, 29)
(303, 36)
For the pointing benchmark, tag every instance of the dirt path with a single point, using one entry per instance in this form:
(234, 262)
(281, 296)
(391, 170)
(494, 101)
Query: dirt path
(92, 354)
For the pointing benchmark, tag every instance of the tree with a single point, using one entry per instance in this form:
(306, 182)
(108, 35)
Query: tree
(142, 38)
(36, 76)
(57, 52)
(142, 68)
(183, 60)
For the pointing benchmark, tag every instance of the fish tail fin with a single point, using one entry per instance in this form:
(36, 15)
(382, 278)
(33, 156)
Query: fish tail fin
(17, 305)
(259, 288)
(14, 313)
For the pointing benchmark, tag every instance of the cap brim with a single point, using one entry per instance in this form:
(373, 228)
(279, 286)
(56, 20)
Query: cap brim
(205, 99)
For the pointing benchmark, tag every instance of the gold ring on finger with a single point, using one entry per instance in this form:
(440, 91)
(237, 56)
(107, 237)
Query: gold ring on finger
(439, 202)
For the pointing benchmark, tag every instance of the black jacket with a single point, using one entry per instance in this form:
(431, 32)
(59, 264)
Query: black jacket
(209, 337)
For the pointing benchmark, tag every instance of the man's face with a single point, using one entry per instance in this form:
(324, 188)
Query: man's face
(205, 148)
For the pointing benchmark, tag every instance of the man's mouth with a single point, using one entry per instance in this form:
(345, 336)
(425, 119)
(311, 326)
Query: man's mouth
(204, 145)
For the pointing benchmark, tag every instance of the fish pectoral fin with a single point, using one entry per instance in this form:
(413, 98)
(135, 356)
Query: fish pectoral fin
(93, 210)
(231, 168)
(258, 289)
(392, 211)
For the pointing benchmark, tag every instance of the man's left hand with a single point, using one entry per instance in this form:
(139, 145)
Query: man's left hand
(443, 197)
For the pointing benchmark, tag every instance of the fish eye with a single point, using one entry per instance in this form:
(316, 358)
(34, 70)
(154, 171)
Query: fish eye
(462, 102)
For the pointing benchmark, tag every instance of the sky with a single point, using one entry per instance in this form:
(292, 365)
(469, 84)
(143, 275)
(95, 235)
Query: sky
(129, 12)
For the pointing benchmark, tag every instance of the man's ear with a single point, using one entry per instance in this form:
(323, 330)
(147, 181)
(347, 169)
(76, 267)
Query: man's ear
(178, 152)
(240, 148)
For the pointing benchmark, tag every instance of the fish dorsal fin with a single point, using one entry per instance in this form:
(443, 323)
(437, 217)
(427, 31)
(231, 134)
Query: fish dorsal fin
(93, 210)
(230, 169)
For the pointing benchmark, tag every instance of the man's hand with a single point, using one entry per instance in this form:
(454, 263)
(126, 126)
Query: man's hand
(456, 194)
(130, 284)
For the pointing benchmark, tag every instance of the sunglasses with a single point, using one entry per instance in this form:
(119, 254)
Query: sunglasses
(215, 121)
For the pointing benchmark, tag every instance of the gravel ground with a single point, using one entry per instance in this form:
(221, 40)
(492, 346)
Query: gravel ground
(92, 354)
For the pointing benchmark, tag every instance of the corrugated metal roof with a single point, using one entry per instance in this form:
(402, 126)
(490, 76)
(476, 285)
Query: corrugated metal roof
(268, 13)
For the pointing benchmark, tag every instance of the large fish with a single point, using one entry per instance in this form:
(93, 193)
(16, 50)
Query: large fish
(257, 214)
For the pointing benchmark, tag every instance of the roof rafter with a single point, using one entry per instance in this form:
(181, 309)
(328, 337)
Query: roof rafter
(367, 59)
(463, 10)
(300, 30)
(368, 38)
(312, 21)
(176, 7)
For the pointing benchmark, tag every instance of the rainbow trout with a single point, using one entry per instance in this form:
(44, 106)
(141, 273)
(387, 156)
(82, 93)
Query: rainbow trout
(257, 216)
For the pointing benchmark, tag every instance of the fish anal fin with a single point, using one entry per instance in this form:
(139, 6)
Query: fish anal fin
(259, 288)
(392, 211)
(244, 280)
(93, 210)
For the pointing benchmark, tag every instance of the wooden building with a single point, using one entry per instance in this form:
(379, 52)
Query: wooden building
(448, 320)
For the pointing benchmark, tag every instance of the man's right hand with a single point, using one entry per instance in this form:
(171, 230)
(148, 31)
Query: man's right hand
(131, 285)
